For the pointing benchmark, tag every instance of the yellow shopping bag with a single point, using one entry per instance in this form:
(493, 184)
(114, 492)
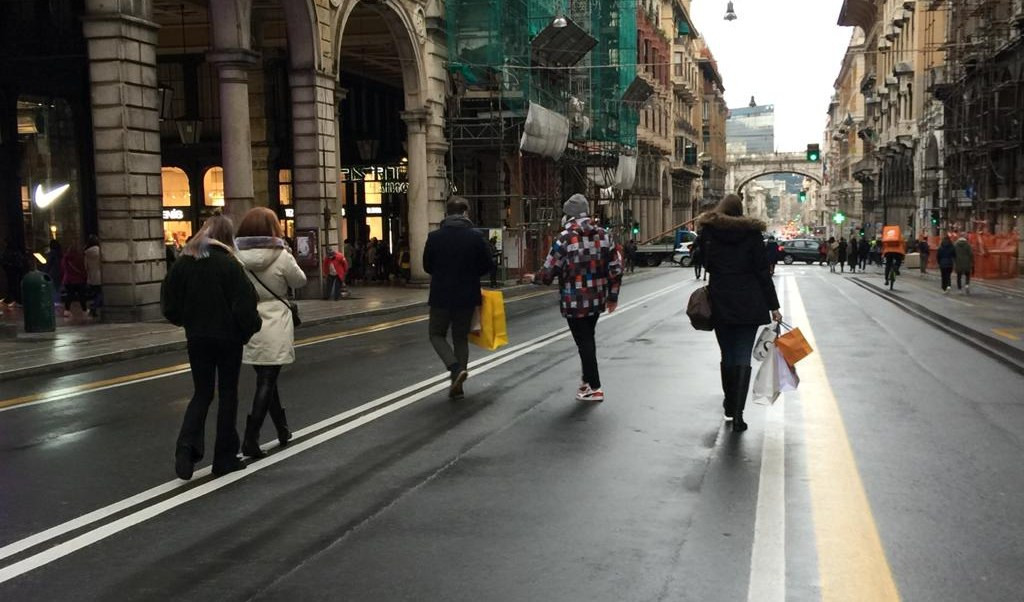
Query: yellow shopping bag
(492, 322)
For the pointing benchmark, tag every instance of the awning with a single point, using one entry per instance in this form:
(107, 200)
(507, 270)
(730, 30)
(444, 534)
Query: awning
(545, 132)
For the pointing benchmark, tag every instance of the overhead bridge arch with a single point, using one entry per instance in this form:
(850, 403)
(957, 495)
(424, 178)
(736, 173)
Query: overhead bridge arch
(745, 168)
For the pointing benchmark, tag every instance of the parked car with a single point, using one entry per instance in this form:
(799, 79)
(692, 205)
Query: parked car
(663, 248)
(682, 255)
(800, 249)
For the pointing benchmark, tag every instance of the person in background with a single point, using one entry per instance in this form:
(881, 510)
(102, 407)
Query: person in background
(94, 274)
(492, 243)
(630, 254)
(833, 254)
(924, 250)
(335, 268)
(589, 273)
(946, 256)
(697, 259)
(74, 279)
(272, 270)
(771, 251)
(841, 250)
(863, 250)
(743, 295)
(404, 260)
(853, 252)
(964, 263)
(456, 256)
(54, 258)
(822, 252)
(208, 293)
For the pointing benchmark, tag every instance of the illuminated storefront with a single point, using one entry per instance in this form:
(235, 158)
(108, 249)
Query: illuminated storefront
(373, 202)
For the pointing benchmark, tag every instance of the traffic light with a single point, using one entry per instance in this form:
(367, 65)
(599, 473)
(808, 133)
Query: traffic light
(935, 217)
(802, 196)
(861, 232)
(813, 153)
(636, 228)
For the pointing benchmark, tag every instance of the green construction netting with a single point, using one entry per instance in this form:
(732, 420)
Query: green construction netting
(489, 48)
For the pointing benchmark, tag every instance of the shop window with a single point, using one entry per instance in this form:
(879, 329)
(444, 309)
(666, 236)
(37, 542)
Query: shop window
(213, 187)
(284, 197)
(48, 168)
(177, 206)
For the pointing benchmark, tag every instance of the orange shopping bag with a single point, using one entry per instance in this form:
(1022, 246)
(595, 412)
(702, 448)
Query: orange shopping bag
(493, 333)
(793, 346)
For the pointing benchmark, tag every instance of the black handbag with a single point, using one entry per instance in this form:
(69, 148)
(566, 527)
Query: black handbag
(292, 307)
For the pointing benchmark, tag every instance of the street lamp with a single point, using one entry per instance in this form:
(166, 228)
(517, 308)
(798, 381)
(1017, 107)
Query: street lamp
(730, 14)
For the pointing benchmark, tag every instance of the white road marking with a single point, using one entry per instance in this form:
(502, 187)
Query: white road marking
(768, 552)
(768, 556)
(433, 385)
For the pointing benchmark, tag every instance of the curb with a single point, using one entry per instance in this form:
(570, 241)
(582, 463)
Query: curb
(1004, 353)
(144, 351)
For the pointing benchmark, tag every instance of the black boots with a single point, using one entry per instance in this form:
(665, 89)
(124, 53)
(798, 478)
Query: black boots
(251, 440)
(740, 385)
(726, 405)
(280, 422)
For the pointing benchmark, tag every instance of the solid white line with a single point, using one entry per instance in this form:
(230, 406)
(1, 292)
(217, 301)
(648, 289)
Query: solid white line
(768, 556)
(433, 384)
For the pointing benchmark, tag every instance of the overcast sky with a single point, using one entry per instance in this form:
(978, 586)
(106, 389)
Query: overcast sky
(783, 52)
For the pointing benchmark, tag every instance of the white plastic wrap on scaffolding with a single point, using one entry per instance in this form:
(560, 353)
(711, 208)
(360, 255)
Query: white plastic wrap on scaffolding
(625, 175)
(600, 176)
(545, 133)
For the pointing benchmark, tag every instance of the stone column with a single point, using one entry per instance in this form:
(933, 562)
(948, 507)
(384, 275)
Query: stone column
(418, 198)
(126, 143)
(235, 135)
(315, 151)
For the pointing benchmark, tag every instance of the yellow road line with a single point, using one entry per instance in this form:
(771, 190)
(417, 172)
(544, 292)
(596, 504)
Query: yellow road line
(110, 382)
(1008, 333)
(851, 559)
(83, 388)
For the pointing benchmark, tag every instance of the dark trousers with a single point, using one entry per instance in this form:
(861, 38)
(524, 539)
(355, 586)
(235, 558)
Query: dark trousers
(75, 292)
(456, 354)
(334, 287)
(583, 330)
(213, 362)
(736, 342)
(959, 279)
(266, 398)
(924, 263)
(947, 274)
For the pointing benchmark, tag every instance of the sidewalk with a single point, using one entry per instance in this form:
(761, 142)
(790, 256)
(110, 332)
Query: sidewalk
(79, 341)
(991, 317)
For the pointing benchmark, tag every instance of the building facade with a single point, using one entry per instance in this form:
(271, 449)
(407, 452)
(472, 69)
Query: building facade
(714, 113)
(751, 129)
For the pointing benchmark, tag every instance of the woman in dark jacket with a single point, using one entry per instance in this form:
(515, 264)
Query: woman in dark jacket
(946, 256)
(742, 295)
(852, 254)
(209, 294)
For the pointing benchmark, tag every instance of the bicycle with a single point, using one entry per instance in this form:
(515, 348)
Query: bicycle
(892, 268)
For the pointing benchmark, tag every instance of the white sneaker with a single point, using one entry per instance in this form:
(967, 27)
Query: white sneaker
(945, 291)
(590, 394)
(967, 289)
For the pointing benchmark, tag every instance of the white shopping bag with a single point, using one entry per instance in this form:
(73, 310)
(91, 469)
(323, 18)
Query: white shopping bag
(786, 374)
(765, 342)
(475, 326)
(766, 383)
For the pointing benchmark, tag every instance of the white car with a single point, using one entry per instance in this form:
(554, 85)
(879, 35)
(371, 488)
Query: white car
(682, 255)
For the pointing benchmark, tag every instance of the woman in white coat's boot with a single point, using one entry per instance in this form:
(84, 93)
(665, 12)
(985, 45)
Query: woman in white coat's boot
(272, 270)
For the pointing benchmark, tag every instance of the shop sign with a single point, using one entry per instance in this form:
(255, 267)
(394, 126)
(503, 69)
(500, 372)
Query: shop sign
(173, 214)
(289, 212)
(393, 178)
(374, 210)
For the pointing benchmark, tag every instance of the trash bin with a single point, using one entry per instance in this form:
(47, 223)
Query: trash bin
(37, 302)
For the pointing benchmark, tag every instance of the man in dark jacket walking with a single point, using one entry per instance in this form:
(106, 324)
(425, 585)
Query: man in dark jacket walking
(455, 256)
(589, 274)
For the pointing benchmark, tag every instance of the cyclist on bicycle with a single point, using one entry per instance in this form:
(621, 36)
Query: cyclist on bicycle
(893, 251)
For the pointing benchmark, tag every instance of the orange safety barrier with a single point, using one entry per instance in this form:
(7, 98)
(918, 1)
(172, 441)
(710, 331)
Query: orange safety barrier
(995, 255)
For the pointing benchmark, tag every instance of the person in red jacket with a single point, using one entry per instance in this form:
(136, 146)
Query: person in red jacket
(72, 266)
(334, 268)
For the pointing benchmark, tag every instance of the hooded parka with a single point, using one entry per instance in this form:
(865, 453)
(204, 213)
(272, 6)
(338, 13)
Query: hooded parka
(269, 259)
(742, 291)
(964, 260)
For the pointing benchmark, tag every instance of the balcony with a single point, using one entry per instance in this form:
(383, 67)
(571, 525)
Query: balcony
(682, 86)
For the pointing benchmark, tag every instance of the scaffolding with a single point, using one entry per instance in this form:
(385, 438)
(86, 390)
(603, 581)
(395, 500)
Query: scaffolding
(574, 57)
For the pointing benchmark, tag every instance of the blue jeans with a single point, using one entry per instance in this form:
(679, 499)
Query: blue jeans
(736, 342)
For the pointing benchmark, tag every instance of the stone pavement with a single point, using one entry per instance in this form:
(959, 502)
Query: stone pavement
(991, 316)
(81, 341)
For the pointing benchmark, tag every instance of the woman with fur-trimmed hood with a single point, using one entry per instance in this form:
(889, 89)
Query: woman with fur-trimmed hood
(742, 294)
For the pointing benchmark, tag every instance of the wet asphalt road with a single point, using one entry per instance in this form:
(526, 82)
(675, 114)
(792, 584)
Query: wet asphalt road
(893, 471)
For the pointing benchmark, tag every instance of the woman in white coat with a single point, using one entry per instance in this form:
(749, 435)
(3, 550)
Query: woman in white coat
(272, 269)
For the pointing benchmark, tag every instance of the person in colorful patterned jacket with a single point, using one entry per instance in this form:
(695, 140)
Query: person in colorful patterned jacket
(589, 273)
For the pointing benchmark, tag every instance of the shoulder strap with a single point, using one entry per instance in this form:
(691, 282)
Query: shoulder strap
(276, 296)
